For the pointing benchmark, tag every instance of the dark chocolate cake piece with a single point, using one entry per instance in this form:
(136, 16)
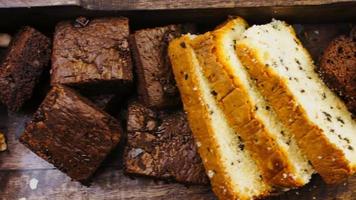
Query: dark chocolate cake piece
(93, 56)
(71, 133)
(156, 85)
(338, 69)
(160, 145)
(25, 60)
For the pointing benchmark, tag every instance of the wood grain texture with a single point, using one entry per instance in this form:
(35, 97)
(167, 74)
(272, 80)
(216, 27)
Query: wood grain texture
(165, 4)
(37, 3)
(189, 4)
(109, 183)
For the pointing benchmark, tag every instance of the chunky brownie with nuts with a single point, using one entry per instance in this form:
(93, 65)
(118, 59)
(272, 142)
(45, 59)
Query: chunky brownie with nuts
(25, 60)
(71, 133)
(160, 145)
(93, 56)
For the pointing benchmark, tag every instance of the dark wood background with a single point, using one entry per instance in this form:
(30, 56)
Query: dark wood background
(165, 4)
(18, 165)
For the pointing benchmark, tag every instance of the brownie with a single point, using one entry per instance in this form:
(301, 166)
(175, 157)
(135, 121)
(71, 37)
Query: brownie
(25, 60)
(71, 133)
(155, 81)
(160, 145)
(93, 56)
(338, 69)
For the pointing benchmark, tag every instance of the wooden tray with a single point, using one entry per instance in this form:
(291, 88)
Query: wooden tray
(316, 22)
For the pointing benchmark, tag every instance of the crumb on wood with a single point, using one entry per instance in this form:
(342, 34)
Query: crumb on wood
(3, 145)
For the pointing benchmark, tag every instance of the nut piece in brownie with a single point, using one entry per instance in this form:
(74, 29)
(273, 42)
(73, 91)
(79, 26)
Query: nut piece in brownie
(25, 60)
(160, 144)
(71, 133)
(338, 69)
(93, 56)
(156, 85)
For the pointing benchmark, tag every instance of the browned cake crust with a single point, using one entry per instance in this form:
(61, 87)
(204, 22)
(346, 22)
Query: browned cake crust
(156, 85)
(23, 64)
(71, 133)
(92, 54)
(161, 145)
(338, 69)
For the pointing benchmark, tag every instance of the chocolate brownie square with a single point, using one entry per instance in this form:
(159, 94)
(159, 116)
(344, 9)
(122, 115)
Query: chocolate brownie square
(156, 84)
(25, 60)
(71, 133)
(160, 145)
(93, 56)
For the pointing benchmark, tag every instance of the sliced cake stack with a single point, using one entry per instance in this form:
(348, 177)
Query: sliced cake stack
(259, 113)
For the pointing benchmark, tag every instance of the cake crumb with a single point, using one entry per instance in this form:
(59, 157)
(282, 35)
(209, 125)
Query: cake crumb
(211, 173)
(33, 183)
(198, 144)
(3, 145)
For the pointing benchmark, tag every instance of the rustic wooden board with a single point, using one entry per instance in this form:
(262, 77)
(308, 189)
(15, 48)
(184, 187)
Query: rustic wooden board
(110, 183)
(198, 4)
(165, 4)
(37, 3)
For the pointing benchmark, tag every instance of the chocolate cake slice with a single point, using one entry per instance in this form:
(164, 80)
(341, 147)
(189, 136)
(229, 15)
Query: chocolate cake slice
(160, 145)
(338, 69)
(93, 56)
(156, 85)
(71, 133)
(25, 60)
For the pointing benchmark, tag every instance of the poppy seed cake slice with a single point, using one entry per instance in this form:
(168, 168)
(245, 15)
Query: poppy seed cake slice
(232, 171)
(285, 75)
(271, 144)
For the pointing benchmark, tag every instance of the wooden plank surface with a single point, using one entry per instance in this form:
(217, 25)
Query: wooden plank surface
(110, 183)
(37, 3)
(164, 4)
(195, 4)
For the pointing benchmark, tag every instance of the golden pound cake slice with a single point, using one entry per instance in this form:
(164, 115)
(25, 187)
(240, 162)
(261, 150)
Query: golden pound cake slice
(285, 75)
(271, 144)
(232, 171)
